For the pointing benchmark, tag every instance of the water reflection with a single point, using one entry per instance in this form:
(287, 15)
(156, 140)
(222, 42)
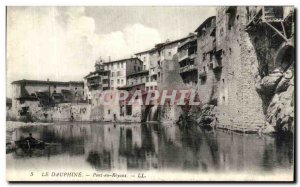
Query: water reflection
(156, 146)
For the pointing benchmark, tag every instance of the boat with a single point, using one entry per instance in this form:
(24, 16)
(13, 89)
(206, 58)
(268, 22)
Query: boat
(26, 144)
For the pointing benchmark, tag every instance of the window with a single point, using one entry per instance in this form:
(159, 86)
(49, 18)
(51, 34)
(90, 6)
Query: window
(155, 87)
(121, 81)
(118, 65)
(108, 111)
(221, 32)
(128, 109)
(144, 67)
(231, 20)
(210, 57)
(151, 87)
(144, 58)
(118, 81)
(203, 57)
(112, 82)
(139, 68)
(112, 74)
(170, 53)
(122, 64)
(147, 79)
(118, 73)
(134, 68)
(121, 111)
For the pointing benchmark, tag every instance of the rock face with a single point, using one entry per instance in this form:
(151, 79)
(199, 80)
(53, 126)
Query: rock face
(204, 117)
(280, 112)
(207, 118)
(269, 83)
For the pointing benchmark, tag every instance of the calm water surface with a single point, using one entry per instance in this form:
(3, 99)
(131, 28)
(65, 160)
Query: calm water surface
(149, 147)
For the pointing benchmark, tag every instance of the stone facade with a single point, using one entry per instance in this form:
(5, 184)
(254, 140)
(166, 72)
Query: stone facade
(35, 95)
(231, 61)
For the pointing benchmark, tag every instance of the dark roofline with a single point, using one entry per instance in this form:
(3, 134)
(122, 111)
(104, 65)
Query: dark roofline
(140, 72)
(204, 22)
(178, 40)
(149, 50)
(190, 40)
(97, 71)
(134, 58)
(45, 82)
(159, 45)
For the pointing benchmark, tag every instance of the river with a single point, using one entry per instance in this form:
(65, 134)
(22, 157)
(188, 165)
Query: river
(144, 147)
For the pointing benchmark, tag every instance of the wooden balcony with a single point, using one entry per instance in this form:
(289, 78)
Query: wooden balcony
(272, 16)
(188, 68)
(105, 77)
(265, 14)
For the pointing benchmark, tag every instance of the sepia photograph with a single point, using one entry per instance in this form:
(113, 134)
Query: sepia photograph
(150, 93)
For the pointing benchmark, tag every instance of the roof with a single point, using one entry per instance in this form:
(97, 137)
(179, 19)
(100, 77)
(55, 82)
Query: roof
(139, 73)
(159, 45)
(121, 60)
(97, 71)
(23, 81)
(149, 50)
(178, 40)
(187, 41)
(203, 23)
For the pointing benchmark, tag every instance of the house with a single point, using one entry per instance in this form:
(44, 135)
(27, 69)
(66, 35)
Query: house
(29, 95)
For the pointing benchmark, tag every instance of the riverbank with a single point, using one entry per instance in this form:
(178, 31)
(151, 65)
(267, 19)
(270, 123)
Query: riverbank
(11, 125)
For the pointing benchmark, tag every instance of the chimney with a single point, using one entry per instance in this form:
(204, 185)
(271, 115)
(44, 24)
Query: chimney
(49, 92)
(108, 58)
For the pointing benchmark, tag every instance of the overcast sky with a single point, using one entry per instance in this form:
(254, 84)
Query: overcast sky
(62, 43)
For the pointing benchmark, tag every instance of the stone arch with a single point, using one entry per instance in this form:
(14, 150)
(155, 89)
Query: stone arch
(285, 56)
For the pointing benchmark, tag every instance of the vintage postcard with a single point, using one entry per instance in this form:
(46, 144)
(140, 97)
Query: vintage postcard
(150, 93)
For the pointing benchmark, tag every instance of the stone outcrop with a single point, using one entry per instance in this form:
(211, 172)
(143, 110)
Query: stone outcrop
(207, 118)
(280, 111)
(268, 83)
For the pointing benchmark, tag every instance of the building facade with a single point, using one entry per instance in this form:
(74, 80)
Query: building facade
(30, 95)
(119, 70)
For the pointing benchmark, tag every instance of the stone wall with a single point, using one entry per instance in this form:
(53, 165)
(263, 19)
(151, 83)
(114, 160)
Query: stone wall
(231, 89)
(255, 84)
(61, 112)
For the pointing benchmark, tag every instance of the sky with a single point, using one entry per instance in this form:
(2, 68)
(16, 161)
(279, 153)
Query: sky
(63, 43)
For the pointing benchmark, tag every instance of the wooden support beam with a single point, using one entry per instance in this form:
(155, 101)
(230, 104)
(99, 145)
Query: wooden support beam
(278, 32)
(282, 25)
